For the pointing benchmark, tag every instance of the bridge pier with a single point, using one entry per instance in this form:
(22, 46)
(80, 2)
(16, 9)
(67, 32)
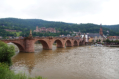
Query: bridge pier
(76, 45)
(29, 46)
(60, 46)
(69, 45)
(22, 51)
(47, 48)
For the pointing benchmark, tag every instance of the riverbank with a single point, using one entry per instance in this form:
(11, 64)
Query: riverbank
(5, 73)
(112, 45)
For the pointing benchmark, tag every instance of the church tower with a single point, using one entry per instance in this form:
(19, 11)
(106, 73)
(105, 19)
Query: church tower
(101, 31)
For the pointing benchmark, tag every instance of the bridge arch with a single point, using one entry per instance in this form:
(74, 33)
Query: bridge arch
(68, 43)
(21, 48)
(80, 43)
(59, 43)
(76, 43)
(44, 44)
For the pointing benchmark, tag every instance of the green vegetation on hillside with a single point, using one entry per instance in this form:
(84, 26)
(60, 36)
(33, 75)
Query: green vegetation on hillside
(112, 27)
(25, 25)
(16, 33)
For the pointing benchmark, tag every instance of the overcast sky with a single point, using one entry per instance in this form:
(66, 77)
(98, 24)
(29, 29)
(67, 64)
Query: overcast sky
(73, 11)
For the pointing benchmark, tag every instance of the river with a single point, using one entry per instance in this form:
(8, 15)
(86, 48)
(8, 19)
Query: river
(86, 62)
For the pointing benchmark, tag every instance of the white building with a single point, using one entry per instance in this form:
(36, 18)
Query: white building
(0, 37)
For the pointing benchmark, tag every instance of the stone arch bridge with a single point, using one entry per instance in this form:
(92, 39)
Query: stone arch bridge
(27, 44)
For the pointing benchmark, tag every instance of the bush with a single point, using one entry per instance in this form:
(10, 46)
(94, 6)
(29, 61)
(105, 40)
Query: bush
(6, 52)
(5, 73)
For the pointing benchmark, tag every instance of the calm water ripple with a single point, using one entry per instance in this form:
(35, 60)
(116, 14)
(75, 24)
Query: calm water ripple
(69, 63)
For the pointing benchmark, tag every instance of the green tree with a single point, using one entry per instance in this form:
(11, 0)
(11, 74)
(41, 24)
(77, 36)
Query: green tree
(96, 40)
(112, 41)
(6, 52)
(99, 40)
(116, 41)
(93, 41)
(107, 41)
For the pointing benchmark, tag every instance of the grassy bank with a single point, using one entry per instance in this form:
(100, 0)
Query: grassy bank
(5, 73)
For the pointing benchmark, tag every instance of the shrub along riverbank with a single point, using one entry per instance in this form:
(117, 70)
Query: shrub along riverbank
(6, 52)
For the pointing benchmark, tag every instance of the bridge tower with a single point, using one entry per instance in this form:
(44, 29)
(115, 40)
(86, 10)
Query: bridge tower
(29, 43)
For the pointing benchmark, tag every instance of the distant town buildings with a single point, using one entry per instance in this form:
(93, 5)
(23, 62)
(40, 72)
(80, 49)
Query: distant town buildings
(43, 29)
(94, 37)
(11, 30)
(77, 33)
(113, 38)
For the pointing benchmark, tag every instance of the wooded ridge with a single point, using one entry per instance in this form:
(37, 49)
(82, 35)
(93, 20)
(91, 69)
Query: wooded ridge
(25, 25)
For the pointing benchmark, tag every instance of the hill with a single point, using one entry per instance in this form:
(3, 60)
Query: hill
(112, 27)
(25, 25)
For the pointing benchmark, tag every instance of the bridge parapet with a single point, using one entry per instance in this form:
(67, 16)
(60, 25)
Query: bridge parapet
(27, 44)
(12, 39)
(40, 38)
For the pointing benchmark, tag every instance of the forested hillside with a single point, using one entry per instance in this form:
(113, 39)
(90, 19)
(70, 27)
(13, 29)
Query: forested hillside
(25, 25)
(112, 27)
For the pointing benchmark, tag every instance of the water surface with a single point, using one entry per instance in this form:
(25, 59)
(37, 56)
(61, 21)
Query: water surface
(86, 62)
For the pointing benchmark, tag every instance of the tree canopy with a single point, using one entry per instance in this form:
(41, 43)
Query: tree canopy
(6, 52)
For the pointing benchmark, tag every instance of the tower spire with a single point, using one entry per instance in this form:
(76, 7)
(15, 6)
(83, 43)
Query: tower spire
(30, 32)
(101, 31)
(30, 35)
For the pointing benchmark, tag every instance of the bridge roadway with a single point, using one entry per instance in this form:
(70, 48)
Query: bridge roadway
(27, 44)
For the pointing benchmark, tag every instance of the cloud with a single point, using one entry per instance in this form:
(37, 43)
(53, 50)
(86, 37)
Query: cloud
(63, 8)
(75, 11)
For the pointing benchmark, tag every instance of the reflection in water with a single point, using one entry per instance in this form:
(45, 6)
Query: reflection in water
(70, 63)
